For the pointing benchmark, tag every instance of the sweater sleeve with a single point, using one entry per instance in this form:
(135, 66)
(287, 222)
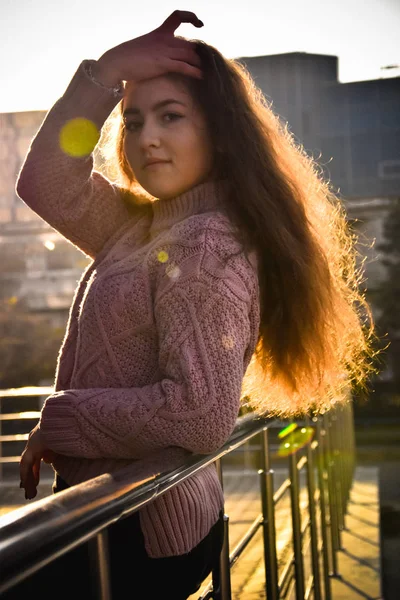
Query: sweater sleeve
(205, 346)
(57, 179)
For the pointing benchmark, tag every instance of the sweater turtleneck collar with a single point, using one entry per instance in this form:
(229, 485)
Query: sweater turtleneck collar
(204, 197)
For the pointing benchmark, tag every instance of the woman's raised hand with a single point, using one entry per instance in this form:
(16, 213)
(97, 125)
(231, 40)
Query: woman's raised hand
(151, 55)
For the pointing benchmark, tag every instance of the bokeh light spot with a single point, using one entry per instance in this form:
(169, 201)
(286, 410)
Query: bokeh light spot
(228, 342)
(78, 137)
(173, 271)
(49, 245)
(162, 256)
(296, 440)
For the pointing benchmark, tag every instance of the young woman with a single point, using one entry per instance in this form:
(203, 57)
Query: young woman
(223, 271)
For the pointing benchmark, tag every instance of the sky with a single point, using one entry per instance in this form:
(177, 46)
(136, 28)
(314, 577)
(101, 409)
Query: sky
(42, 42)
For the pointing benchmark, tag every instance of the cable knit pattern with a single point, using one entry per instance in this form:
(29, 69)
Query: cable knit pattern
(161, 331)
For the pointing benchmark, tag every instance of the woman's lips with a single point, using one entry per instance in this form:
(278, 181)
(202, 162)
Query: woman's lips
(156, 164)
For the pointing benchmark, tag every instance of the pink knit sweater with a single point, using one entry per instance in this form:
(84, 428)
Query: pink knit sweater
(162, 328)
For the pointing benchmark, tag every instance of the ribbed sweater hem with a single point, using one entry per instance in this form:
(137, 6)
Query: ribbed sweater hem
(175, 522)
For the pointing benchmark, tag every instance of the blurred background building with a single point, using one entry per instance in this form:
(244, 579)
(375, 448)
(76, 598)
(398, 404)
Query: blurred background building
(37, 265)
(351, 129)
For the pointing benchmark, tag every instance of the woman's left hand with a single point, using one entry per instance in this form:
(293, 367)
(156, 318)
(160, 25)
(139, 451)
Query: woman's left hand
(29, 467)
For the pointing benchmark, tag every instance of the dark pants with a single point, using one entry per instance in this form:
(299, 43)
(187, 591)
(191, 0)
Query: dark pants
(134, 575)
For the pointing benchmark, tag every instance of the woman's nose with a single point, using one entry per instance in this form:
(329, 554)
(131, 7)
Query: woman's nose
(149, 136)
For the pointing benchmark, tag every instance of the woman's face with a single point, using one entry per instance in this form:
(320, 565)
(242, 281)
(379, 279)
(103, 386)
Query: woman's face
(162, 122)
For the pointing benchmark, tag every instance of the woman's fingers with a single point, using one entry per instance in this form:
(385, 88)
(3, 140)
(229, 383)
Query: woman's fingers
(36, 470)
(27, 475)
(187, 55)
(29, 466)
(178, 66)
(30, 486)
(24, 466)
(177, 18)
(147, 56)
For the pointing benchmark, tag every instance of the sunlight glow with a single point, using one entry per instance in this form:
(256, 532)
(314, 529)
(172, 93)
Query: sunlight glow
(33, 414)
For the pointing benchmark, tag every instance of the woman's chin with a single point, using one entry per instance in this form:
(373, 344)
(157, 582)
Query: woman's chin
(163, 192)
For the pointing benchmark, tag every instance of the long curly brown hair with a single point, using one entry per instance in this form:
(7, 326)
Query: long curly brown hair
(317, 337)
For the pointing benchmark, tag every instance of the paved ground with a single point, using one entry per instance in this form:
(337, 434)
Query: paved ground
(359, 560)
(389, 501)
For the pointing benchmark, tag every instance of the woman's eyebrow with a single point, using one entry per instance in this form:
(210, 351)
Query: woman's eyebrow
(135, 111)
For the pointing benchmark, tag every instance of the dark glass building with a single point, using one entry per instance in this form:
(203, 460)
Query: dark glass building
(353, 127)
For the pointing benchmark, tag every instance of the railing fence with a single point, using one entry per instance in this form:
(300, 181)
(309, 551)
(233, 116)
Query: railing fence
(322, 449)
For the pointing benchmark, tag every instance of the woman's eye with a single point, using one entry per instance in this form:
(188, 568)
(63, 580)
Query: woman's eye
(169, 117)
(132, 126)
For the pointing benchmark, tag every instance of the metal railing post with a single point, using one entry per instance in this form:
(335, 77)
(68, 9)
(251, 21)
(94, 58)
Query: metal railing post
(347, 450)
(269, 531)
(322, 505)
(344, 461)
(352, 443)
(222, 575)
(313, 520)
(331, 495)
(98, 552)
(341, 465)
(296, 526)
(337, 474)
(225, 591)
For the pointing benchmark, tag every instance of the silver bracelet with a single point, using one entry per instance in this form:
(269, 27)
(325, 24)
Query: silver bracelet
(117, 91)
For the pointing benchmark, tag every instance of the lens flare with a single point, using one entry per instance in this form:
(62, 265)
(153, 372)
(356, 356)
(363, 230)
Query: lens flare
(78, 137)
(295, 440)
(287, 430)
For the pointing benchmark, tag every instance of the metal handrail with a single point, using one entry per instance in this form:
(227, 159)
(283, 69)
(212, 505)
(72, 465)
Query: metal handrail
(84, 512)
